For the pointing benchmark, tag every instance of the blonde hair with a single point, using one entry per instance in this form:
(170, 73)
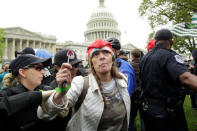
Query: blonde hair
(9, 80)
(114, 73)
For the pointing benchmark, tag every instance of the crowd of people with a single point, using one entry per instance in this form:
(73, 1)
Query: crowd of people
(36, 94)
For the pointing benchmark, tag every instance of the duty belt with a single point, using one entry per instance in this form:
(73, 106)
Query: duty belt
(155, 102)
(161, 103)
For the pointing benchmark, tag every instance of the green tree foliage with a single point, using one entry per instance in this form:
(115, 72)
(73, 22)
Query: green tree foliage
(1, 44)
(162, 12)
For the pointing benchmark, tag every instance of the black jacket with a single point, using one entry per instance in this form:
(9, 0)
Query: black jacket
(18, 108)
(159, 72)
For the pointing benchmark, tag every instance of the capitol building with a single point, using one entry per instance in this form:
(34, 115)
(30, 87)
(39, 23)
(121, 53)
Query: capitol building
(101, 24)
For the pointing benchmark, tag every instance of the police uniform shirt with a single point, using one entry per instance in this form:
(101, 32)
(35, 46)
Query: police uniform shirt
(160, 69)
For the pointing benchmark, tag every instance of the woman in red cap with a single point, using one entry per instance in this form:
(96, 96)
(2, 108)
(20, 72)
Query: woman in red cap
(107, 103)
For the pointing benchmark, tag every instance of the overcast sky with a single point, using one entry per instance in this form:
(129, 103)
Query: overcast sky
(67, 19)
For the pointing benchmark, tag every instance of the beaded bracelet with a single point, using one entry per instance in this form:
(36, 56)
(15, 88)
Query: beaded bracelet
(58, 89)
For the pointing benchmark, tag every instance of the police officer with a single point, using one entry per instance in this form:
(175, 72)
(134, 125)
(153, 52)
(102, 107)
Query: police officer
(162, 71)
(125, 68)
(18, 104)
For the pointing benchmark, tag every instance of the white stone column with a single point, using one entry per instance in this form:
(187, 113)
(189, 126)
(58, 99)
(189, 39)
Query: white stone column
(40, 44)
(50, 47)
(45, 46)
(54, 49)
(5, 56)
(27, 43)
(21, 45)
(13, 49)
(34, 44)
(97, 35)
(93, 36)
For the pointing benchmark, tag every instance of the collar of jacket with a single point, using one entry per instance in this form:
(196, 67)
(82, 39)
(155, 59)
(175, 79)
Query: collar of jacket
(120, 82)
(118, 59)
(20, 88)
(161, 47)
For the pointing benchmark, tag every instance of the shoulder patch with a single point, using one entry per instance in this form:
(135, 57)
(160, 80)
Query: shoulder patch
(179, 59)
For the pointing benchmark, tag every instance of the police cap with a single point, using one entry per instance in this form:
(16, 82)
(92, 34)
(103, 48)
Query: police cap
(25, 60)
(163, 34)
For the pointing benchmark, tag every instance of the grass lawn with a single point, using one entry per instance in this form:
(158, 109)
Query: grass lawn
(191, 116)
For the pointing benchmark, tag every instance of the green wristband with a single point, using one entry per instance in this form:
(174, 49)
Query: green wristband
(58, 89)
(68, 87)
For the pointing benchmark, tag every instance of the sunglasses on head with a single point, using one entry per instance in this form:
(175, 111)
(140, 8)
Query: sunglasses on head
(36, 67)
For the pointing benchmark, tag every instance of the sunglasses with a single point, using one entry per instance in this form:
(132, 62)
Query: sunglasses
(36, 67)
(75, 65)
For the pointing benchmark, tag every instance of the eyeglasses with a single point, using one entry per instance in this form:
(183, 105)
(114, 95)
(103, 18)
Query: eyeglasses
(36, 67)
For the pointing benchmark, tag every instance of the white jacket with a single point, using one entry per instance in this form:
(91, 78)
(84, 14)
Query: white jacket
(87, 118)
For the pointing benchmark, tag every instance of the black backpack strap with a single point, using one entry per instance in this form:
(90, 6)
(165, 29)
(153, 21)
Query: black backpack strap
(83, 93)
